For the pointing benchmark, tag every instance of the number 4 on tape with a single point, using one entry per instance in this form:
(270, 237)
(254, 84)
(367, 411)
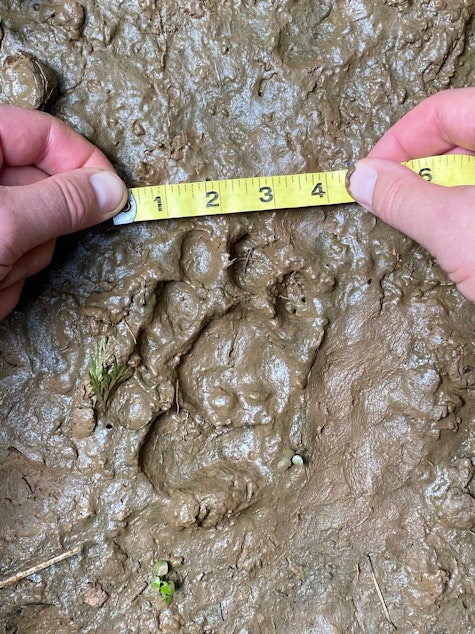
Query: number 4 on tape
(237, 195)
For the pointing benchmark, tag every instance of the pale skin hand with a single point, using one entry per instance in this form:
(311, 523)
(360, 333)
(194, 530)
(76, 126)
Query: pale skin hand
(442, 219)
(52, 182)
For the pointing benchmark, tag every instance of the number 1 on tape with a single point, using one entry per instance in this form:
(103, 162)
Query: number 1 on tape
(237, 195)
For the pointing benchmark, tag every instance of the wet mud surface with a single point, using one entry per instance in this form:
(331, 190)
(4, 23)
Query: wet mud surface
(252, 337)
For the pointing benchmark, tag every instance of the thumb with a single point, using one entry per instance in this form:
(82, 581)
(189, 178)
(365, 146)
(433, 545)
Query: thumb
(442, 219)
(58, 205)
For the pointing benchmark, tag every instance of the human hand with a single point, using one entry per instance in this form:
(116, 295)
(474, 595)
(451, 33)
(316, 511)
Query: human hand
(52, 182)
(442, 219)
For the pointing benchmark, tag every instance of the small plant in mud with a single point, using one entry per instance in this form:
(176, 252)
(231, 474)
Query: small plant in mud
(106, 376)
(165, 587)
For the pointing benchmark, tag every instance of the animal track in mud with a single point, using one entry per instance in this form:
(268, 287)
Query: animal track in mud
(208, 476)
(237, 389)
(214, 494)
(238, 375)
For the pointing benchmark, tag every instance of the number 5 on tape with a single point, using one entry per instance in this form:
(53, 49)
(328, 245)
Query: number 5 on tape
(262, 193)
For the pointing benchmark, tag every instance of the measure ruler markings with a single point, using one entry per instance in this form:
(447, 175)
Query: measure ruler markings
(325, 180)
(260, 193)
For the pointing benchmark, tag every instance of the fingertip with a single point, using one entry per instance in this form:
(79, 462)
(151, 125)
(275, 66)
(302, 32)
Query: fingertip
(389, 190)
(361, 183)
(36, 213)
(467, 288)
(110, 192)
(431, 214)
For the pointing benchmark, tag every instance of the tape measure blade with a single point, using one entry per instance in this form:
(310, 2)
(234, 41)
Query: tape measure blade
(459, 169)
(449, 170)
(147, 203)
(274, 192)
(338, 186)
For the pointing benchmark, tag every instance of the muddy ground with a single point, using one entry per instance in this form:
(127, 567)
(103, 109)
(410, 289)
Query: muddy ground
(320, 332)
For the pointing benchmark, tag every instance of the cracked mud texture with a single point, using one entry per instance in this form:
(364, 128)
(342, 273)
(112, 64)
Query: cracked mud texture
(320, 331)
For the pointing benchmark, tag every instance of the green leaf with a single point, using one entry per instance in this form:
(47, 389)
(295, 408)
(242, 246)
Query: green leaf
(106, 376)
(156, 583)
(167, 590)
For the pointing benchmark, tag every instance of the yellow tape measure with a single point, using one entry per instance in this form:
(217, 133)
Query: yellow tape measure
(235, 195)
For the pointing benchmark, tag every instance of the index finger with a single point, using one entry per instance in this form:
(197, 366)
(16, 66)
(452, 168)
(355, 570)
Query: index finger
(440, 124)
(29, 137)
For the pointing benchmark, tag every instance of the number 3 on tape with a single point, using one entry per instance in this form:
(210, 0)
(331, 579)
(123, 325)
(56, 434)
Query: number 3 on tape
(261, 193)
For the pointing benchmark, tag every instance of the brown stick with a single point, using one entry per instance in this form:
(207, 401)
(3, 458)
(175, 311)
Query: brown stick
(46, 564)
(380, 594)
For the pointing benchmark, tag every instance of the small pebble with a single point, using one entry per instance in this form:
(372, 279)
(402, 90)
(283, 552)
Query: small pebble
(297, 460)
(284, 463)
(160, 569)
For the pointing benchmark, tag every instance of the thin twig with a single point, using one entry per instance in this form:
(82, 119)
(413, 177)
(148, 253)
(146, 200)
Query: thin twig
(380, 594)
(130, 331)
(46, 564)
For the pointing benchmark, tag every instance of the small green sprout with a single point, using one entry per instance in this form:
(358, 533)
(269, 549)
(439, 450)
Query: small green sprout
(166, 587)
(106, 376)
(167, 590)
(156, 583)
